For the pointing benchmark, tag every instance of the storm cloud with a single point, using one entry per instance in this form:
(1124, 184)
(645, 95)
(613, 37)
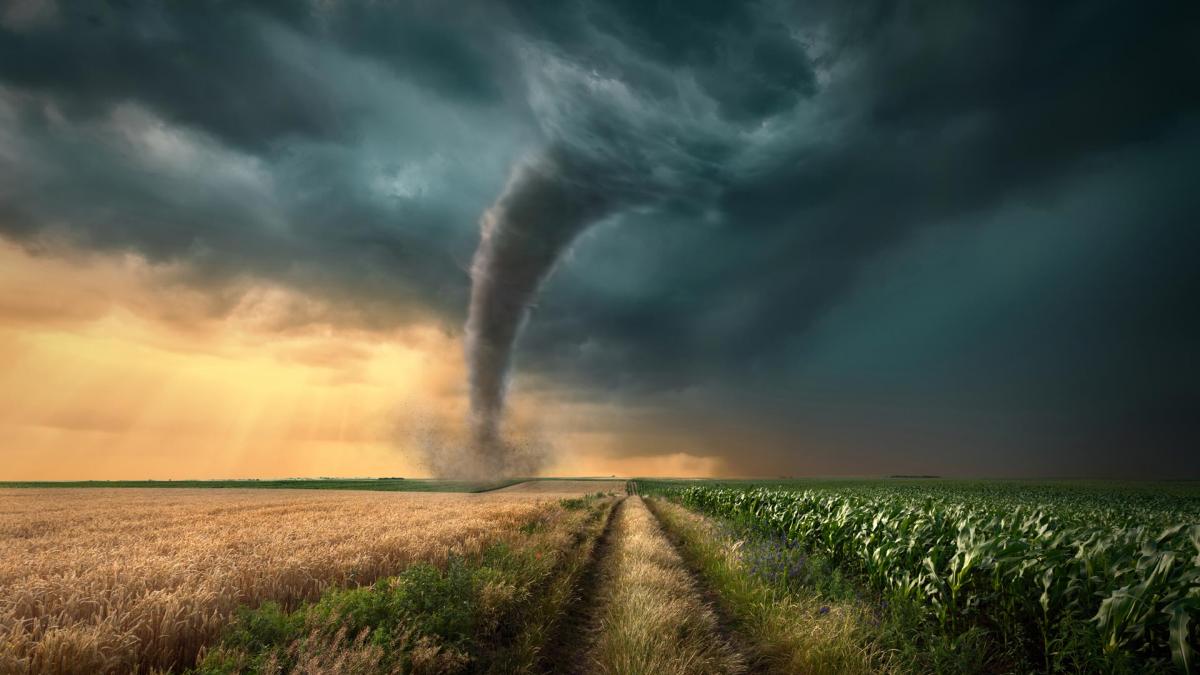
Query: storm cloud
(872, 237)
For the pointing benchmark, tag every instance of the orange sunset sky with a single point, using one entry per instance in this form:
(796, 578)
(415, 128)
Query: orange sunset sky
(114, 370)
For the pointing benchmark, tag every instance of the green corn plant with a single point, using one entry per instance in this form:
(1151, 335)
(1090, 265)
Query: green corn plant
(1183, 654)
(1118, 565)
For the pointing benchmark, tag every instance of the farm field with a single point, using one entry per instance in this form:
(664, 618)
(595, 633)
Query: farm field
(573, 576)
(551, 487)
(1114, 502)
(1062, 577)
(109, 580)
(374, 484)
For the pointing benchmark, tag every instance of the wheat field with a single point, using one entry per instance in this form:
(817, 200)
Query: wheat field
(564, 487)
(110, 581)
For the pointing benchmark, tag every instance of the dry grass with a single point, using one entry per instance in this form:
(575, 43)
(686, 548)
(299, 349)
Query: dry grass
(109, 581)
(651, 616)
(788, 632)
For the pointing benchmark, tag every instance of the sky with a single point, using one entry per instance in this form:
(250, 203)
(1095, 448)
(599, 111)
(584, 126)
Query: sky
(237, 239)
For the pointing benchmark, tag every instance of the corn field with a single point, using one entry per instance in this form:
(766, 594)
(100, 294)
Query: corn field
(1077, 590)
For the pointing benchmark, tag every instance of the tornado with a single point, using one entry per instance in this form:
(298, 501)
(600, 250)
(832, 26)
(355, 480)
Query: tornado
(548, 201)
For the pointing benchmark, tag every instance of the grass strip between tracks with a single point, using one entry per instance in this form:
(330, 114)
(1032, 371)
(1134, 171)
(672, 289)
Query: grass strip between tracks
(651, 617)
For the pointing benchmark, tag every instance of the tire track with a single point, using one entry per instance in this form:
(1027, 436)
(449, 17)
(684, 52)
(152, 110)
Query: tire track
(566, 652)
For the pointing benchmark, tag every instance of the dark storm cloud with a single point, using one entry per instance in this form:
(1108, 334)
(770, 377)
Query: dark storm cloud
(944, 119)
(244, 72)
(200, 65)
(904, 235)
(261, 141)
